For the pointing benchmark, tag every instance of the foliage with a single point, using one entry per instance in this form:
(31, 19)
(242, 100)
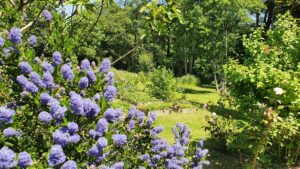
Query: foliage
(189, 79)
(163, 83)
(266, 90)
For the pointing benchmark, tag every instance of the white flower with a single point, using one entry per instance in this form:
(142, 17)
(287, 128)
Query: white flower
(278, 90)
(214, 114)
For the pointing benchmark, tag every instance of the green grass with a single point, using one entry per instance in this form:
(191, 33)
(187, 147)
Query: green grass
(194, 120)
(199, 95)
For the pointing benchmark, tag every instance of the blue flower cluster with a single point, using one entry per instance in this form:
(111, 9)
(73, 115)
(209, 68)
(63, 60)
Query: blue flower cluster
(98, 149)
(47, 15)
(6, 115)
(111, 135)
(32, 40)
(173, 156)
(66, 135)
(15, 35)
(7, 159)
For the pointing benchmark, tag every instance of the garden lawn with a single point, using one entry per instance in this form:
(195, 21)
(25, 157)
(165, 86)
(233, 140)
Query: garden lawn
(194, 120)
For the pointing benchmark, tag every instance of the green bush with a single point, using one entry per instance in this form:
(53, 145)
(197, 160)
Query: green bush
(266, 90)
(188, 79)
(163, 84)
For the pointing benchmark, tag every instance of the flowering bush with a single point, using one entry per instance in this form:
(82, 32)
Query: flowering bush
(266, 90)
(61, 118)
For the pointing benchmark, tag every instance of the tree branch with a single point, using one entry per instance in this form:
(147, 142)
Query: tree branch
(12, 3)
(124, 55)
(93, 26)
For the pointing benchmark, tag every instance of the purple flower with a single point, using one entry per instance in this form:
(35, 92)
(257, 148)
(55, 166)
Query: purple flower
(74, 138)
(45, 117)
(110, 92)
(47, 67)
(83, 83)
(110, 114)
(45, 98)
(109, 78)
(158, 145)
(6, 51)
(101, 143)
(200, 144)
(130, 125)
(56, 58)
(119, 139)
(67, 72)
(94, 151)
(93, 133)
(9, 132)
(85, 65)
(15, 35)
(59, 114)
(31, 87)
(118, 165)
(144, 157)
(105, 66)
(36, 79)
(48, 80)
(2, 41)
(47, 15)
(56, 156)
(6, 115)
(139, 115)
(131, 112)
(93, 110)
(22, 80)
(201, 153)
(156, 130)
(24, 159)
(91, 76)
(61, 138)
(76, 103)
(32, 40)
(7, 158)
(72, 127)
(25, 67)
(69, 165)
(102, 127)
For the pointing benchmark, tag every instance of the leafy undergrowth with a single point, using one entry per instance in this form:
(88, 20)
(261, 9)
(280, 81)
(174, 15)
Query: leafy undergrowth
(134, 89)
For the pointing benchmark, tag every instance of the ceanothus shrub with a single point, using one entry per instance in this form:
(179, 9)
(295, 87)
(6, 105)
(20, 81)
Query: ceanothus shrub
(62, 119)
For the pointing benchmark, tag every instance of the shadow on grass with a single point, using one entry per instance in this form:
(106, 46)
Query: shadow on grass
(193, 91)
(226, 112)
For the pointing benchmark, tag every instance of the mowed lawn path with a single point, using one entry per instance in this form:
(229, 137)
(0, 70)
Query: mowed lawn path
(194, 119)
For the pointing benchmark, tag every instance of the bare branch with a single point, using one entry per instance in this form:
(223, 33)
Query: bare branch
(12, 3)
(27, 26)
(124, 55)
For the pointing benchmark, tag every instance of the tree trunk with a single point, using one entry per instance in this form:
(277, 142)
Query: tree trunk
(215, 77)
(269, 19)
(257, 19)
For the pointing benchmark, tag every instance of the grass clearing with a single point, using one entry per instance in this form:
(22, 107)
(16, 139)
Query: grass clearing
(194, 120)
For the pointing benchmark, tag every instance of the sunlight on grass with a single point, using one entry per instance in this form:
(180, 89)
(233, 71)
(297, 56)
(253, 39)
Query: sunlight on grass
(195, 121)
(199, 95)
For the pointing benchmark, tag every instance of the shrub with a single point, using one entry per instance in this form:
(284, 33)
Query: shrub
(189, 79)
(266, 90)
(61, 117)
(163, 84)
